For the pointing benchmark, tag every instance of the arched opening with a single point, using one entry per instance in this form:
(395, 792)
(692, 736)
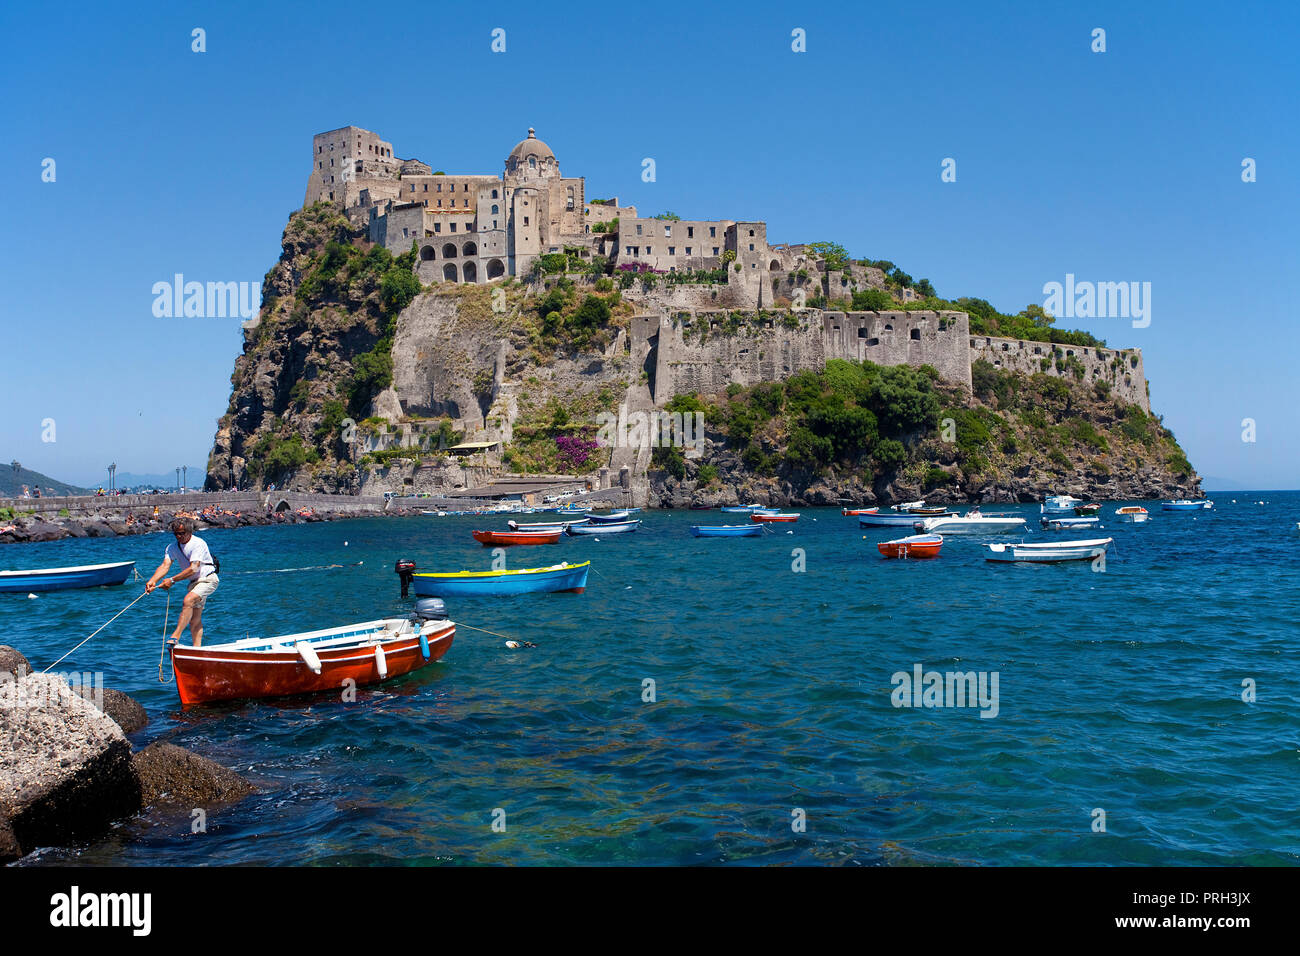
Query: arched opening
(449, 251)
(282, 506)
(471, 272)
(915, 335)
(775, 265)
(470, 249)
(495, 209)
(532, 162)
(449, 272)
(426, 253)
(494, 196)
(496, 269)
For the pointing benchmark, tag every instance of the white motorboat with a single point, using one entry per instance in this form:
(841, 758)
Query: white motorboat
(1051, 553)
(1060, 505)
(971, 524)
(1133, 514)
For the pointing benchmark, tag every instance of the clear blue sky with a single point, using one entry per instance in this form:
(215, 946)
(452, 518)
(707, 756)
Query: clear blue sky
(1123, 165)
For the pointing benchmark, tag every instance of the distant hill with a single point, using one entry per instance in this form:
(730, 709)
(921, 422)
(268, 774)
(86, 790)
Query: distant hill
(11, 482)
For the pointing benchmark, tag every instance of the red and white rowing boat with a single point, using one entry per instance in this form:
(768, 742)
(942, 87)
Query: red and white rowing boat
(308, 663)
(913, 546)
(859, 511)
(517, 537)
(762, 518)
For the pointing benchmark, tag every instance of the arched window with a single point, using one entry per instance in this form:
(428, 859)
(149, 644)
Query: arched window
(426, 253)
(496, 269)
(449, 251)
(494, 194)
(532, 162)
(471, 272)
(495, 209)
(449, 272)
(470, 250)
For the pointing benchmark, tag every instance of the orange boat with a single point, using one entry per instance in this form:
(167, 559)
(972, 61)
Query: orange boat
(308, 663)
(859, 511)
(913, 546)
(776, 517)
(502, 538)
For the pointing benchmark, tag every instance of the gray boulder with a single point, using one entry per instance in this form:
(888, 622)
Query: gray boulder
(125, 711)
(171, 775)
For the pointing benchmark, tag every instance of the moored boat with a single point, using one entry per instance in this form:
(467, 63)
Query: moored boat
(1183, 504)
(1132, 513)
(366, 653)
(727, 530)
(763, 517)
(614, 517)
(859, 511)
(971, 524)
(557, 577)
(741, 509)
(621, 527)
(1060, 505)
(913, 546)
(1087, 511)
(61, 579)
(505, 538)
(1052, 553)
(1066, 524)
(543, 525)
(885, 520)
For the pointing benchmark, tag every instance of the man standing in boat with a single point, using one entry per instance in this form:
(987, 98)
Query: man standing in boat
(195, 559)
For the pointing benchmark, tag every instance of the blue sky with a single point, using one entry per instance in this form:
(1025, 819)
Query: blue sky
(1115, 166)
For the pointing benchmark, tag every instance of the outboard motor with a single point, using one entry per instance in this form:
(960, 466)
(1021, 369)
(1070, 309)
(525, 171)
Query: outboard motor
(404, 568)
(429, 609)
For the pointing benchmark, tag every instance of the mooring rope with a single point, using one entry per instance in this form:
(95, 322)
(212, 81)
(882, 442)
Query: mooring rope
(162, 653)
(104, 625)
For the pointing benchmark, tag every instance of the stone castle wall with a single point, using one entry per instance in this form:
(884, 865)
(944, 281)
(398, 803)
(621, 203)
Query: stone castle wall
(697, 352)
(1121, 369)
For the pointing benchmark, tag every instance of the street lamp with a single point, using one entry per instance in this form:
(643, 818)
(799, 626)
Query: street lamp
(185, 479)
(178, 481)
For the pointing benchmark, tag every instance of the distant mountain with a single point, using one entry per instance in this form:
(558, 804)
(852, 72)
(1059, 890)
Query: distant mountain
(194, 479)
(11, 482)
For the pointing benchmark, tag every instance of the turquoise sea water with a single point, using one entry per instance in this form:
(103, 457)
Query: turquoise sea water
(1118, 691)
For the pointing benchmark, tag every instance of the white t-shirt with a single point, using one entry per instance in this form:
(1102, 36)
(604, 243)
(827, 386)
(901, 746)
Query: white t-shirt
(195, 552)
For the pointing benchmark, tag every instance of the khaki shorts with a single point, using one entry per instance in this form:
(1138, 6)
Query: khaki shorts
(200, 590)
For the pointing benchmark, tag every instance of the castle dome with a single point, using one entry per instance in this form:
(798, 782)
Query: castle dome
(531, 155)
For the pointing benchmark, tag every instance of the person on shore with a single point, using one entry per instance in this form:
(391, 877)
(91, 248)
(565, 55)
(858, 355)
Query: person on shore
(192, 553)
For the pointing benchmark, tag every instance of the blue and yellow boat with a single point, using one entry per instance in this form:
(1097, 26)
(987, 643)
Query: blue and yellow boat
(557, 577)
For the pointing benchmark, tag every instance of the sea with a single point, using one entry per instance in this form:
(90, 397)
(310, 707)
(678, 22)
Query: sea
(732, 700)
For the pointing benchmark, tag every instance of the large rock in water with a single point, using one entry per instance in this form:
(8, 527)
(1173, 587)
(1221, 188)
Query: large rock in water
(65, 767)
(125, 711)
(171, 775)
(12, 662)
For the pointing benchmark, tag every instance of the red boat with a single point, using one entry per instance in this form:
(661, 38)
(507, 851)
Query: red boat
(859, 511)
(308, 663)
(517, 537)
(913, 546)
(776, 517)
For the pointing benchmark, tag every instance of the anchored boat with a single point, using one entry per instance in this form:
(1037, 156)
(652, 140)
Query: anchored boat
(971, 524)
(60, 579)
(621, 527)
(1067, 524)
(504, 538)
(1133, 513)
(543, 525)
(315, 661)
(859, 511)
(1183, 504)
(766, 516)
(883, 520)
(913, 546)
(614, 517)
(1052, 553)
(727, 530)
(1060, 505)
(557, 577)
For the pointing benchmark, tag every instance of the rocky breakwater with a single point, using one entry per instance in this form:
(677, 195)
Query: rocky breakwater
(32, 528)
(68, 771)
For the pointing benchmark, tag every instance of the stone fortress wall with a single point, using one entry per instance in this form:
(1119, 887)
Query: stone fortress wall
(1121, 369)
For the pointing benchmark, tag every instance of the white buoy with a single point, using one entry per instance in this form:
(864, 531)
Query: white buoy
(30, 596)
(308, 656)
(380, 661)
(512, 644)
(345, 544)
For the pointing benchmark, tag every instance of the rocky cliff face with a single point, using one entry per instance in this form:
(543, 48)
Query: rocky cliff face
(355, 378)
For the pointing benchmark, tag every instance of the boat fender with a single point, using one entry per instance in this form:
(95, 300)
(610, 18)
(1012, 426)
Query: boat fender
(424, 644)
(381, 662)
(308, 656)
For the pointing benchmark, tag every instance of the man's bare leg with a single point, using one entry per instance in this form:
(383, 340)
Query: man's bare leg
(196, 625)
(187, 611)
